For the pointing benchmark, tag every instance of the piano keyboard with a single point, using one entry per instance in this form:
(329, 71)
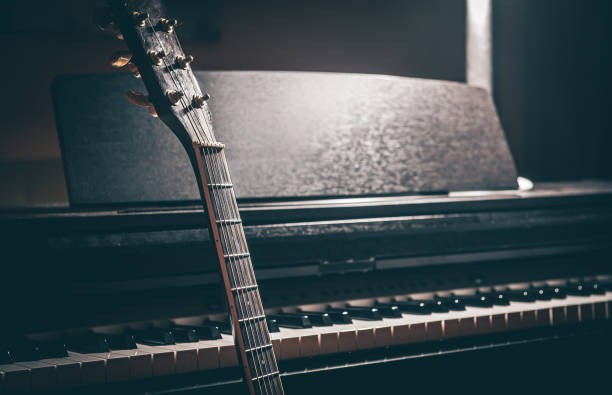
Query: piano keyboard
(358, 325)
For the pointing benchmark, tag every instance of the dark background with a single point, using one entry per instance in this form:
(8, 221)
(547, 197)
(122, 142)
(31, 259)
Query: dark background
(551, 68)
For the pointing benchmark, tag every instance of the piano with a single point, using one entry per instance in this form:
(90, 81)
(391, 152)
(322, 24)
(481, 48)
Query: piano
(393, 246)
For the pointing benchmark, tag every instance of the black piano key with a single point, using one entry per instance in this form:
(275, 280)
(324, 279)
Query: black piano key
(606, 285)
(184, 335)
(204, 332)
(272, 325)
(437, 306)
(318, 318)
(595, 287)
(577, 288)
(520, 295)
(541, 292)
(389, 310)
(87, 343)
(496, 297)
(451, 302)
(292, 320)
(53, 349)
(120, 341)
(477, 300)
(339, 316)
(153, 336)
(5, 357)
(360, 313)
(328, 318)
(412, 306)
(222, 326)
(22, 350)
(556, 291)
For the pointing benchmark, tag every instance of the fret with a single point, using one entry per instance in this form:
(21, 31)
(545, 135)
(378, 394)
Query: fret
(263, 347)
(231, 221)
(264, 357)
(237, 255)
(253, 337)
(220, 185)
(215, 145)
(251, 319)
(276, 372)
(245, 287)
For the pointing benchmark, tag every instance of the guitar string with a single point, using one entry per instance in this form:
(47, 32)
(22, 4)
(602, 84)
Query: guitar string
(254, 306)
(187, 111)
(241, 241)
(214, 178)
(249, 273)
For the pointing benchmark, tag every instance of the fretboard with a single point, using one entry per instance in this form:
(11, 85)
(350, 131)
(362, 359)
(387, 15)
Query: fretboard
(248, 317)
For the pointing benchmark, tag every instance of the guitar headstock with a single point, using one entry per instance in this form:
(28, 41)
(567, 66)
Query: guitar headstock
(155, 54)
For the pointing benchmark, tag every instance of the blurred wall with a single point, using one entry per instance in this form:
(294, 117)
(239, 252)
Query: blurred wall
(551, 65)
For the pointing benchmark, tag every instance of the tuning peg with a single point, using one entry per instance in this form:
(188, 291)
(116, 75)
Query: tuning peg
(174, 96)
(157, 57)
(114, 29)
(120, 58)
(140, 18)
(103, 17)
(153, 111)
(166, 25)
(184, 61)
(132, 67)
(199, 100)
(140, 99)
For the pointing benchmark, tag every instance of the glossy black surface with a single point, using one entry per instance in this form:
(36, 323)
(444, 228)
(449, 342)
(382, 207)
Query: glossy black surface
(153, 336)
(291, 320)
(87, 343)
(358, 312)
(204, 332)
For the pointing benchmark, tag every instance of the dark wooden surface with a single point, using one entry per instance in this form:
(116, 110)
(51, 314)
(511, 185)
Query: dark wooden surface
(288, 134)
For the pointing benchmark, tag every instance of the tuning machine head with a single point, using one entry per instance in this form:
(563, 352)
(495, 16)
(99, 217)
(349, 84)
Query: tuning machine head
(140, 18)
(166, 25)
(120, 58)
(142, 100)
(157, 57)
(103, 18)
(184, 61)
(174, 96)
(199, 100)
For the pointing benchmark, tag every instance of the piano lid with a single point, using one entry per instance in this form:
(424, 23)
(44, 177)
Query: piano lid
(289, 135)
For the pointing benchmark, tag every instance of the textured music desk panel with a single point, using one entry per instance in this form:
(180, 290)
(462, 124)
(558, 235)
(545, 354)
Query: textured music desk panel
(288, 134)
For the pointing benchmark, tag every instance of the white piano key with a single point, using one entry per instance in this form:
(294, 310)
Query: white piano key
(162, 359)
(93, 369)
(117, 366)
(141, 363)
(207, 354)
(42, 375)
(289, 343)
(67, 371)
(228, 355)
(15, 378)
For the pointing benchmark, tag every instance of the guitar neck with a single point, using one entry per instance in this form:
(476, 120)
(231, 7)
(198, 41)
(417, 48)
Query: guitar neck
(248, 317)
